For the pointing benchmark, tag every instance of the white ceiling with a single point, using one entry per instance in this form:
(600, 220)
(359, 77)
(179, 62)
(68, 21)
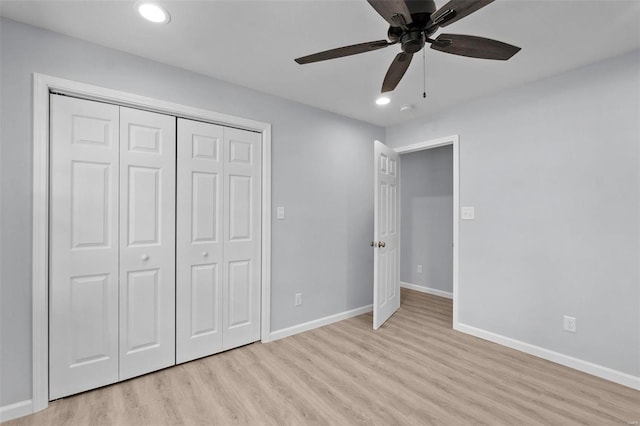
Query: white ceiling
(253, 44)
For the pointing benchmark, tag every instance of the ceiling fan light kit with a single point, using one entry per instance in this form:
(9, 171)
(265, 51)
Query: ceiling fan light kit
(412, 23)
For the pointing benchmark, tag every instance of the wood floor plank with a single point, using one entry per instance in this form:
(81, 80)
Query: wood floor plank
(414, 370)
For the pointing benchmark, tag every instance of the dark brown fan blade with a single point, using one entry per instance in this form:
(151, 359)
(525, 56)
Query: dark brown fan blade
(395, 12)
(474, 47)
(396, 71)
(354, 49)
(460, 8)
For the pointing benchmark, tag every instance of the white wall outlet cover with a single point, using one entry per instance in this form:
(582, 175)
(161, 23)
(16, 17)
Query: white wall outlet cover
(569, 324)
(468, 213)
(419, 269)
(280, 213)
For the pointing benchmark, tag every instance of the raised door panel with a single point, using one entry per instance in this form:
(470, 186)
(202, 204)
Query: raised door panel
(383, 279)
(204, 207)
(83, 286)
(90, 204)
(89, 314)
(240, 207)
(240, 292)
(199, 242)
(204, 287)
(147, 242)
(242, 233)
(142, 310)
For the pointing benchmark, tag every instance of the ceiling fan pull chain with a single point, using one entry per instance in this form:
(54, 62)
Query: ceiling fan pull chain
(424, 74)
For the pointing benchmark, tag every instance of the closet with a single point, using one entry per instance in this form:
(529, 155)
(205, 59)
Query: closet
(154, 242)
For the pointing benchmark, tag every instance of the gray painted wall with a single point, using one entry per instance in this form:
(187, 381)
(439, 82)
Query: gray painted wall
(322, 174)
(426, 200)
(552, 169)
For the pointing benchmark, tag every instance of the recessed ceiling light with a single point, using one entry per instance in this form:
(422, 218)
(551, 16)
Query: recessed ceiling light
(154, 13)
(382, 100)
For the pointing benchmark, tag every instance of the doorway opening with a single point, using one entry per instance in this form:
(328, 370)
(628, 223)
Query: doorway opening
(429, 218)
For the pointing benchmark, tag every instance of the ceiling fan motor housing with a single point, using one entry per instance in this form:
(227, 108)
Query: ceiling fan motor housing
(412, 36)
(412, 41)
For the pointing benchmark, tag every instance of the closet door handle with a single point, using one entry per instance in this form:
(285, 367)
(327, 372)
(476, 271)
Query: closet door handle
(144, 257)
(205, 254)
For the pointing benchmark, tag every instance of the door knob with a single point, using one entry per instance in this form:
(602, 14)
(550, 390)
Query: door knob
(382, 244)
(205, 254)
(144, 257)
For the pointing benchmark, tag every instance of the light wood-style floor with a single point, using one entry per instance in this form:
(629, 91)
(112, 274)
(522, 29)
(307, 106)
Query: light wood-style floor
(415, 370)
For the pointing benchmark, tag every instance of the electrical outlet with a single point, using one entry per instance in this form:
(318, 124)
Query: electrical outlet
(569, 324)
(468, 213)
(419, 269)
(280, 213)
(298, 299)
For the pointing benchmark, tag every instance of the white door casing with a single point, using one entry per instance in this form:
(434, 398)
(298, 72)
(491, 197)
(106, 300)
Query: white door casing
(242, 153)
(199, 240)
(83, 245)
(386, 275)
(147, 241)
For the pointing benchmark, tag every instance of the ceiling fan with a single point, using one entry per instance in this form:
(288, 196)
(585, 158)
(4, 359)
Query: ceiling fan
(412, 24)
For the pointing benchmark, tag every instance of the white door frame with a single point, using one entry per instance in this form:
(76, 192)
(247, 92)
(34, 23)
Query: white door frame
(43, 85)
(452, 140)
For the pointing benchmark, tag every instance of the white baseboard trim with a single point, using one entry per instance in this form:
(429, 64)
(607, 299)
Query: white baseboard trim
(320, 322)
(428, 290)
(606, 373)
(13, 411)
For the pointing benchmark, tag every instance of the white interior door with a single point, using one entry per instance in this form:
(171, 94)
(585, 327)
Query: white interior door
(147, 241)
(199, 240)
(83, 284)
(386, 275)
(242, 152)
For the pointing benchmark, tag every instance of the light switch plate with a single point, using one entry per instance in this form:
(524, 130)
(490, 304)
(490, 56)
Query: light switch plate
(280, 213)
(468, 213)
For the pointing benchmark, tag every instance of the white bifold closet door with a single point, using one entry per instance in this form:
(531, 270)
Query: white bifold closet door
(147, 241)
(83, 271)
(218, 239)
(242, 238)
(112, 244)
(199, 240)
